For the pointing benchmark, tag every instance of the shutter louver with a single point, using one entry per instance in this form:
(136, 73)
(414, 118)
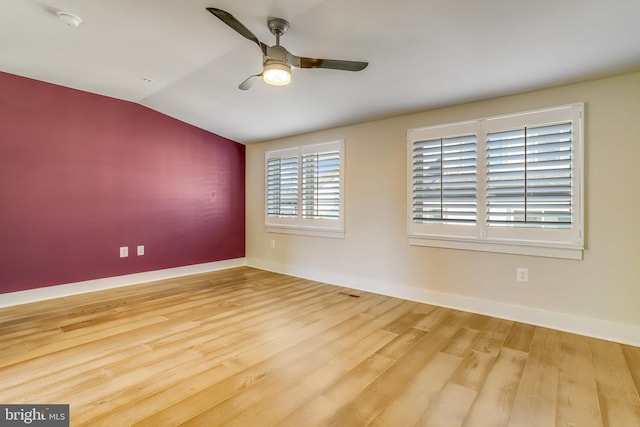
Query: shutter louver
(444, 180)
(321, 185)
(529, 177)
(282, 187)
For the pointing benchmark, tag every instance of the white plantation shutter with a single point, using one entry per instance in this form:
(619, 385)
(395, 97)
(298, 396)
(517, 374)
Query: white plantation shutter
(304, 190)
(444, 180)
(529, 177)
(282, 187)
(321, 185)
(502, 184)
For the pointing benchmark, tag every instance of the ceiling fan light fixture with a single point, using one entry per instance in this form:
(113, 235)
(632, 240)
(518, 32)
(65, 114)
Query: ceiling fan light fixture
(276, 73)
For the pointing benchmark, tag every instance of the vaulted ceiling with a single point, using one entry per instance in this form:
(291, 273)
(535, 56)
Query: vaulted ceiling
(176, 58)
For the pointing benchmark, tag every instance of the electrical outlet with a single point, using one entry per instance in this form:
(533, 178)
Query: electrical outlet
(140, 250)
(124, 251)
(273, 244)
(522, 274)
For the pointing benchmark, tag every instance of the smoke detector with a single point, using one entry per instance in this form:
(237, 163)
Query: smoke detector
(69, 19)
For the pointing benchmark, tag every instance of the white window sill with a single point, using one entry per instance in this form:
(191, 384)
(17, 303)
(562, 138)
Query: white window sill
(524, 248)
(307, 231)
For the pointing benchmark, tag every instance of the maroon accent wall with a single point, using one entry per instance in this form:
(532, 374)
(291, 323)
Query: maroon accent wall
(83, 174)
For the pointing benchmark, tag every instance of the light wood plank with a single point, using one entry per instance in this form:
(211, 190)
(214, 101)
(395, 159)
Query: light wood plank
(449, 408)
(405, 409)
(493, 405)
(249, 347)
(381, 391)
(479, 359)
(266, 362)
(632, 356)
(459, 343)
(492, 338)
(537, 396)
(618, 396)
(278, 401)
(577, 391)
(520, 337)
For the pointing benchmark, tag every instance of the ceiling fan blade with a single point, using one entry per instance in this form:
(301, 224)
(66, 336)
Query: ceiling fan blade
(231, 21)
(246, 85)
(334, 64)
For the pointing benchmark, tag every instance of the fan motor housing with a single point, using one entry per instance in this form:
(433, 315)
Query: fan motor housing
(276, 54)
(278, 26)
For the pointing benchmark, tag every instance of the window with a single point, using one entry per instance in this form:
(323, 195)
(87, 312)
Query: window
(304, 190)
(503, 184)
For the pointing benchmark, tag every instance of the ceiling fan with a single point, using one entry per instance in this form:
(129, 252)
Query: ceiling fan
(277, 61)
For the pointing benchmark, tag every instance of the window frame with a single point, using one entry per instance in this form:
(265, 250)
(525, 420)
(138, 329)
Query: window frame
(333, 228)
(537, 241)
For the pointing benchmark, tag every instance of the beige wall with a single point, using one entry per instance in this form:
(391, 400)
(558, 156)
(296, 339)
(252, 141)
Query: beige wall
(583, 296)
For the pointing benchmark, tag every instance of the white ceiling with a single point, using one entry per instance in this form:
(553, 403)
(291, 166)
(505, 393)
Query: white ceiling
(421, 53)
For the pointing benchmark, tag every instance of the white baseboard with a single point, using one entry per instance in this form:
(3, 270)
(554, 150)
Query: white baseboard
(587, 326)
(58, 291)
(596, 328)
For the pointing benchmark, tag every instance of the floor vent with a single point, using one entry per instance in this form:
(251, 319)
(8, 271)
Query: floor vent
(349, 295)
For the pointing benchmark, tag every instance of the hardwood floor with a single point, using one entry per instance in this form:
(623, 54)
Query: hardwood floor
(245, 347)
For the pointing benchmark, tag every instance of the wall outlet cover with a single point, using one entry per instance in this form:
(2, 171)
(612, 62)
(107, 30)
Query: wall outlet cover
(522, 274)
